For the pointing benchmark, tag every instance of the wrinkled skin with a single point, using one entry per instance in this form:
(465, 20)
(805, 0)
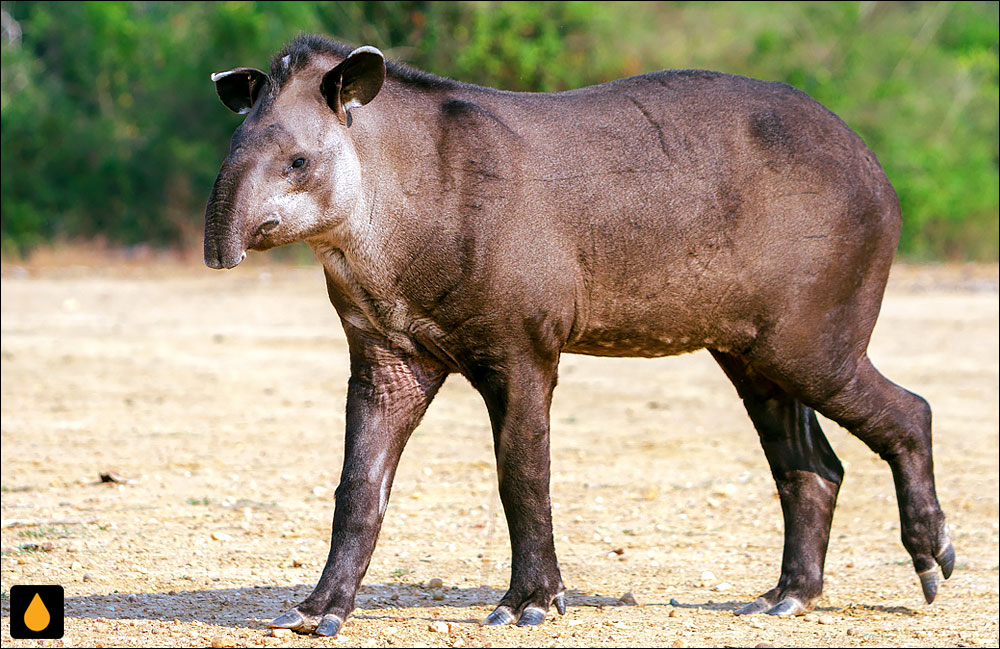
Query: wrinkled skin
(471, 231)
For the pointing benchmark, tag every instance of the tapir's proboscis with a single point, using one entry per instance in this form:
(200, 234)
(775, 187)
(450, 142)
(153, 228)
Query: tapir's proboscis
(481, 232)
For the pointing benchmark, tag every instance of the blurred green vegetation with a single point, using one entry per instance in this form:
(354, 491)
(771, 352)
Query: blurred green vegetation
(111, 128)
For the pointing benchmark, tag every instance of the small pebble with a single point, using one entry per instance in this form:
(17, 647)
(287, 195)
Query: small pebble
(708, 575)
(810, 617)
(88, 576)
(279, 633)
(826, 619)
(221, 536)
(674, 613)
(763, 645)
(435, 583)
(679, 643)
(438, 595)
(439, 627)
(221, 641)
(628, 599)
(724, 586)
(674, 602)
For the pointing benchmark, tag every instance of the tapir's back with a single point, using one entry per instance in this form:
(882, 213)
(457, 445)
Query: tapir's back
(691, 203)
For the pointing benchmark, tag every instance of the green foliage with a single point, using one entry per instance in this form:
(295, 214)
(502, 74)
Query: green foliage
(111, 129)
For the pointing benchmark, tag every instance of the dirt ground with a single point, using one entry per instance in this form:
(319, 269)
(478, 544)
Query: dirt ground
(218, 400)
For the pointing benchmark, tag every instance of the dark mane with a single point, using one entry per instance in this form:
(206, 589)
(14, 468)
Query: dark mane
(301, 49)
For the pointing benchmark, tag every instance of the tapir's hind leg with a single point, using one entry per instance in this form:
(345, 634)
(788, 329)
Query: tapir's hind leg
(896, 424)
(808, 476)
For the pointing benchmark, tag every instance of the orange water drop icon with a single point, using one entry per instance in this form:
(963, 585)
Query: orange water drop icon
(37, 616)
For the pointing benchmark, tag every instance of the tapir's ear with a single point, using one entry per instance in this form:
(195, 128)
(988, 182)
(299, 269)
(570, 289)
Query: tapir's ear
(354, 82)
(239, 88)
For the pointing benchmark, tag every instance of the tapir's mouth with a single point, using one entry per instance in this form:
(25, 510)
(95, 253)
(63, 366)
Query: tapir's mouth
(261, 238)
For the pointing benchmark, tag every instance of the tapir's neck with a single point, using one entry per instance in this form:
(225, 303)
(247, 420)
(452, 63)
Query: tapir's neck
(396, 140)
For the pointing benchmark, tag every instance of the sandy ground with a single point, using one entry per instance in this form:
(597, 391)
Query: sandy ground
(219, 399)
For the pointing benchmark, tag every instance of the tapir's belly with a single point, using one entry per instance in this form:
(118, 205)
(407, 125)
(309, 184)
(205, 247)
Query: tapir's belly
(659, 300)
(615, 342)
(632, 331)
(653, 315)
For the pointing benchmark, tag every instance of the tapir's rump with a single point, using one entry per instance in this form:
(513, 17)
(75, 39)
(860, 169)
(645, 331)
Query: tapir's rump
(479, 232)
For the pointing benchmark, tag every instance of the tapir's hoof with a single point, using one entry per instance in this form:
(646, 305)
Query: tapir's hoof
(501, 615)
(532, 616)
(928, 578)
(946, 560)
(929, 582)
(294, 620)
(759, 605)
(329, 625)
(560, 603)
(787, 608)
(290, 619)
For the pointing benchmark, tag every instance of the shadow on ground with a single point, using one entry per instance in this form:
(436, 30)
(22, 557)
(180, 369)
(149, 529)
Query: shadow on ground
(254, 607)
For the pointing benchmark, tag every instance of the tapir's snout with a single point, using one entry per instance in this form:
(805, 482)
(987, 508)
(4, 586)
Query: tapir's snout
(226, 240)
(224, 245)
(220, 263)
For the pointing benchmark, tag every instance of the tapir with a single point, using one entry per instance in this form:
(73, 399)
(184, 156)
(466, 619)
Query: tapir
(473, 231)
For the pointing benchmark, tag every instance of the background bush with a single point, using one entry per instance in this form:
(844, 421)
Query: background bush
(111, 128)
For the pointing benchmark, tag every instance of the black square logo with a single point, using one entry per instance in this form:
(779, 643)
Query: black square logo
(36, 612)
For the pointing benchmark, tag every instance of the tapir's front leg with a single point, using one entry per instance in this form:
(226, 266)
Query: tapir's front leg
(518, 398)
(388, 392)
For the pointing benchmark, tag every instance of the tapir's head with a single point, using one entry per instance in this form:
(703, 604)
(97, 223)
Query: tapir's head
(292, 171)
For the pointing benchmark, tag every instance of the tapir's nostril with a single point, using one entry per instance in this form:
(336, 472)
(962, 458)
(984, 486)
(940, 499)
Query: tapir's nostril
(269, 226)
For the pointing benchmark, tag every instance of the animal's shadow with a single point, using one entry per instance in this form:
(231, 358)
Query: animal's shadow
(255, 607)
(711, 605)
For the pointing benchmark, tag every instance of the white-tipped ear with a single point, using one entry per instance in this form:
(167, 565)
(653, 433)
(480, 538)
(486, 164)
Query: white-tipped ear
(239, 88)
(356, 81)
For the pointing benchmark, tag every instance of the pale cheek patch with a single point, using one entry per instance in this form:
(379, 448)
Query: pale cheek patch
(346, 182)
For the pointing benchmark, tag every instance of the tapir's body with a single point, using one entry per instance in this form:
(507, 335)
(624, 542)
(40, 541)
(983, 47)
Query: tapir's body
(469, 230)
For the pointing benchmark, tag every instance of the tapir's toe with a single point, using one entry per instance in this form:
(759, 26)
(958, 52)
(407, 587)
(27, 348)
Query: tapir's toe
(787, 608)
(532, 616)
(295, 620)
(929, 583)
(501, 615)
(329, 625)
(759, 605)
(946, 559)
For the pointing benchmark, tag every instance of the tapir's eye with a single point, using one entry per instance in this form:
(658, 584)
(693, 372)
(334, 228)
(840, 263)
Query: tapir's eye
(298, 163)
